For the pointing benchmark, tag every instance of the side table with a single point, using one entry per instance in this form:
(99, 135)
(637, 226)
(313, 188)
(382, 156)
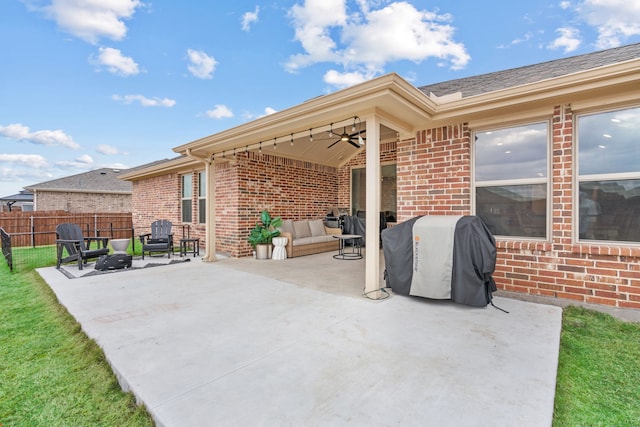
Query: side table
(279, 247)
(190, 245)
(356, 249)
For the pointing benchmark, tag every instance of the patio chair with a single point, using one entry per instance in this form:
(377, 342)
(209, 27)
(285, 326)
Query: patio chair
(69, 238)
(159, 240)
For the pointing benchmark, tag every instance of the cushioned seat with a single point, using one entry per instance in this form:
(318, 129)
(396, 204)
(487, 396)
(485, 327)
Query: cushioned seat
(308, 236)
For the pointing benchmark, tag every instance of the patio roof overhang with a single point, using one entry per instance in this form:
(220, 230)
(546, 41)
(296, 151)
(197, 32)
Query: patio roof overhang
(401, 108)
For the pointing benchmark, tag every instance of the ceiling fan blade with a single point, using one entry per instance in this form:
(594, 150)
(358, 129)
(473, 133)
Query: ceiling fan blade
(354, 144)
(333, 144)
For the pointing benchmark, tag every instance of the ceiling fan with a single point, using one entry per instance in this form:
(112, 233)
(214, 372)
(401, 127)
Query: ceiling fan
(354, 139)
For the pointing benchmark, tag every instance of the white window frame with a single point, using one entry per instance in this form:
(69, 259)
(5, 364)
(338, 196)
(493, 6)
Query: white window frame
(475, 184)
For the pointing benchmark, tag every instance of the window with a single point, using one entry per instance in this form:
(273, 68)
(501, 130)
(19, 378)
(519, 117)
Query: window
(202, 197)
(388, 191)
(186, 198)
(608, 198)
(511, 180)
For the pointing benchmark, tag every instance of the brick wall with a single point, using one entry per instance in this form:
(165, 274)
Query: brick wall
(434, 178)
(288, 188)
(82, 202)
(253, 182)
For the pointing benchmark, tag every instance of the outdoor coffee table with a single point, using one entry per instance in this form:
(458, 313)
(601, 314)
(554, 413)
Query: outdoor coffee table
(356, 248)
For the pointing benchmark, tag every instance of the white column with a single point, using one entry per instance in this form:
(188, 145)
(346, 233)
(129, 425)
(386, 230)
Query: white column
(372, 258)
(210, 227)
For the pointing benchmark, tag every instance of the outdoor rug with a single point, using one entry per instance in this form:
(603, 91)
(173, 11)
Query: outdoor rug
(73, 272)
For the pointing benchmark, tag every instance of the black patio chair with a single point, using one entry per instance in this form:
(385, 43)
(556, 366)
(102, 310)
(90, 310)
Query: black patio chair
(159, 240)
(69, 238)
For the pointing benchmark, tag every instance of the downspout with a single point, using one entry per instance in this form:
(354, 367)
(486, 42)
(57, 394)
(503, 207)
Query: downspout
(210, 203)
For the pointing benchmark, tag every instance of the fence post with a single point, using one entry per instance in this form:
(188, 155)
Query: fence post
(133, 240)
(33, 233)
(95, 226)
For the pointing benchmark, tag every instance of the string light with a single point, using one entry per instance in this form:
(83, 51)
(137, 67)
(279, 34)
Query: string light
(331, 133)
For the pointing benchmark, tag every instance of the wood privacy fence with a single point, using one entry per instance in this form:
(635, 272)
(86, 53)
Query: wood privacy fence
(39, 228)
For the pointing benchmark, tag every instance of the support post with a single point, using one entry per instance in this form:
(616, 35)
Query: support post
(372, 252)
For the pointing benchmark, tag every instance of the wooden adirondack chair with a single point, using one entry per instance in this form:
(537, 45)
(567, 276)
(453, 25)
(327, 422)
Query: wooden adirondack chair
(69, 238)
(159, 240)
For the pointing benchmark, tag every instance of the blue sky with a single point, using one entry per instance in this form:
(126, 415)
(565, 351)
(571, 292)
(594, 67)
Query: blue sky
(118, 83)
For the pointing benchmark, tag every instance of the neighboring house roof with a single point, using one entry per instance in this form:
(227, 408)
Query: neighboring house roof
(476, 85)
(105, 180)
(22, 196)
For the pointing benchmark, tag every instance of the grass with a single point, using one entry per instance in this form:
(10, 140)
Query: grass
(598, 381)
(52, 374)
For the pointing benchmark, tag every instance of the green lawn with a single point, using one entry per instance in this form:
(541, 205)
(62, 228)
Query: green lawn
(598, 380)
(51, 374)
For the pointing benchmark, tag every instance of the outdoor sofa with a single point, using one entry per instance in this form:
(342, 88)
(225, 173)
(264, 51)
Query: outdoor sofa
(309, 236)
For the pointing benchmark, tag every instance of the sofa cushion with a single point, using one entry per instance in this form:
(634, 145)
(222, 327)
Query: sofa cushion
(287, 227)
(302, 229)
(317, 227)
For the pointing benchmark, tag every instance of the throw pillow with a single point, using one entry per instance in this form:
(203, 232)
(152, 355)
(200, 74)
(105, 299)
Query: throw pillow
(287, 226)
(317, 227)
(302, 229)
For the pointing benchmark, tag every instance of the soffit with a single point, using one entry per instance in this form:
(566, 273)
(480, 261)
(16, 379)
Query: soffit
(400, 107)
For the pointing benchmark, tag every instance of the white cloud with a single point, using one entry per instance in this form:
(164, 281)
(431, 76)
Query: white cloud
(116, 62)
(106, 149)
(267, 111)
(564, 5)
(83, 162)
(20, 132)
(367, 40)
(614, 20)
(346, 79)
(249, 18)
(569, 39)
(144, 101)
(31, 160)
(201, 65)
(219, 112)
(91, 20)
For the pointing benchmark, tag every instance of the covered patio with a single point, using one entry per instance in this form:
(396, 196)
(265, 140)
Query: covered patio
(246, 342)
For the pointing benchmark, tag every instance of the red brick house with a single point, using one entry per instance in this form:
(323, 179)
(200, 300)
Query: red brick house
(546, 154)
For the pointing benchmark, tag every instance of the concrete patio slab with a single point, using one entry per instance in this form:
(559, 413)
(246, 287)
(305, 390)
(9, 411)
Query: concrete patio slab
(212, 344)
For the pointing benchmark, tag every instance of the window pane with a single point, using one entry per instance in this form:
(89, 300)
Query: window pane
(610, 210)
(202, 211)
(514, 210)
(186, 185)
(608, 142)
(513, 153)
(186, 210)
(388, 191)
(202, 184)
(358, 190)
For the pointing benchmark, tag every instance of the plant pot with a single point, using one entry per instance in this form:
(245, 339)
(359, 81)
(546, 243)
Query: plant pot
(263, 251)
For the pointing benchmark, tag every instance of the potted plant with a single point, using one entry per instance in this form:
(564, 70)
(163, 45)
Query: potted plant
(262, 234)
